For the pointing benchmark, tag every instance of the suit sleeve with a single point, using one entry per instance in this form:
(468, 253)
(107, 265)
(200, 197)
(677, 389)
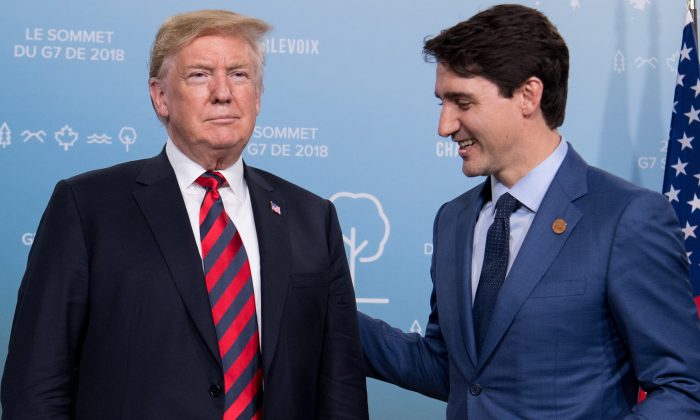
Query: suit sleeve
(50, 317)
(651, 301)
(409, 360)
(342, 388)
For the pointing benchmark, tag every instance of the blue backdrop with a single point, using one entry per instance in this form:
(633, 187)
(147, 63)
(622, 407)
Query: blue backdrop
(348, 112)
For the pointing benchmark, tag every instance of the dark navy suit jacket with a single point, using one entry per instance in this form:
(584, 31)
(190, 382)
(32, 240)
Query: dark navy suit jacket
(583, 319)
(113, 319)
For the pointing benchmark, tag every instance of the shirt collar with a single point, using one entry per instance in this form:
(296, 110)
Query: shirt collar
(187, 171)
(531, 189)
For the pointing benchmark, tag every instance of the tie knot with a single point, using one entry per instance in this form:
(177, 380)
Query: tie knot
(506, 205)
(211, 180)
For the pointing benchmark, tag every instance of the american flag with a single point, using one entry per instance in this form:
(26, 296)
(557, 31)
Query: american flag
(682, 176)
(275, 208)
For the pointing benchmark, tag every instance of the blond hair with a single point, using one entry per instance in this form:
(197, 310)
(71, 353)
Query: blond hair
(180, 30)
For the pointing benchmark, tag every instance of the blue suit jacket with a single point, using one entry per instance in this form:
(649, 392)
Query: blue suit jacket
(113, 319)
(584, 317)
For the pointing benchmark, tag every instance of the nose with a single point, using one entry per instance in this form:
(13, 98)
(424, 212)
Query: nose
(448, 123)
(221, 91)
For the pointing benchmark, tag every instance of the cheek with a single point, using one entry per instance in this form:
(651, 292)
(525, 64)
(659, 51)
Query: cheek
(500, 124)
(190, 97)
(250, 101)
(194, 98)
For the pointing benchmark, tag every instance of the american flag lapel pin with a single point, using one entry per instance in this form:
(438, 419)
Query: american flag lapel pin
(275, 208)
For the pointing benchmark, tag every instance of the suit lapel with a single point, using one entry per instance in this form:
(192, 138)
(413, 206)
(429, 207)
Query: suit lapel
(275, 259)
(539, 249)
(160, 200)
(460, 273)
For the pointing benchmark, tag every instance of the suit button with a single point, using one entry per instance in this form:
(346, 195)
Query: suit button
(215, 390)
(475, 389)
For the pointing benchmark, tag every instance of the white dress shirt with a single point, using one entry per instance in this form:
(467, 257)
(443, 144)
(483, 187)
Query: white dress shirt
(236, 203)
(530, 191)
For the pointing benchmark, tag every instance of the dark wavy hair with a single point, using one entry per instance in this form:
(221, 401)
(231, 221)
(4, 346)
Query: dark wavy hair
(507, 44)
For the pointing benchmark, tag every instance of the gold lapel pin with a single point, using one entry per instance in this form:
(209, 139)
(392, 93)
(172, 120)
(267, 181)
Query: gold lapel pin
(559, 226)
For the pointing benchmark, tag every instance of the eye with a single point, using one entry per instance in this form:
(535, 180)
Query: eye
(196, 75)
(464, 105)
(239, 75)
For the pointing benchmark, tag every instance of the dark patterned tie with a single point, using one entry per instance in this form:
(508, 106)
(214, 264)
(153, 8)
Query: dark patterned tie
(495, 266)
(232, 300)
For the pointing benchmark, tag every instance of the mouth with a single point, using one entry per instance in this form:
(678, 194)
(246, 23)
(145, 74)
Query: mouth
(222, 120)
(465, 147)
(463, 144)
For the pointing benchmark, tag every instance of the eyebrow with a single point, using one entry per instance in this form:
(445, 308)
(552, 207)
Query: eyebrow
(209, 66)
(454, 96)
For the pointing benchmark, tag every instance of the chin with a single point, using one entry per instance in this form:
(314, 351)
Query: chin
(225, 142)
(470, 172)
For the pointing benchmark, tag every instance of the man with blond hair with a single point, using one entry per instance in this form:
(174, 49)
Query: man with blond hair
(188, 285)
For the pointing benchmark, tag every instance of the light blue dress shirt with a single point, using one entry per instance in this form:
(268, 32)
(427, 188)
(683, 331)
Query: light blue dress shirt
(530, 191)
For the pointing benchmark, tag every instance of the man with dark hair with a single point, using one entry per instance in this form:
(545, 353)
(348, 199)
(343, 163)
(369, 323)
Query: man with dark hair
(558, 289)
(188, 285)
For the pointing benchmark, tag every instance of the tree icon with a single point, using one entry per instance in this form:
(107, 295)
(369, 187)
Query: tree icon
(416, 328)
(639, 4)
(368, 225)
(5, 135)
(127, 135)
(619, 62)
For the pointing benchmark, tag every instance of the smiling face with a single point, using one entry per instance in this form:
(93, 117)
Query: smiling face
(208, 96)
(486, 125)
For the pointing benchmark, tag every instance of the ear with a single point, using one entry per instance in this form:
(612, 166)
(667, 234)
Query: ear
(155, 86)
(531, 92)
(258, 94)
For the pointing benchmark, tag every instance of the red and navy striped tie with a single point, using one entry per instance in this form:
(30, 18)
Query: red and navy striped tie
(230, 289)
